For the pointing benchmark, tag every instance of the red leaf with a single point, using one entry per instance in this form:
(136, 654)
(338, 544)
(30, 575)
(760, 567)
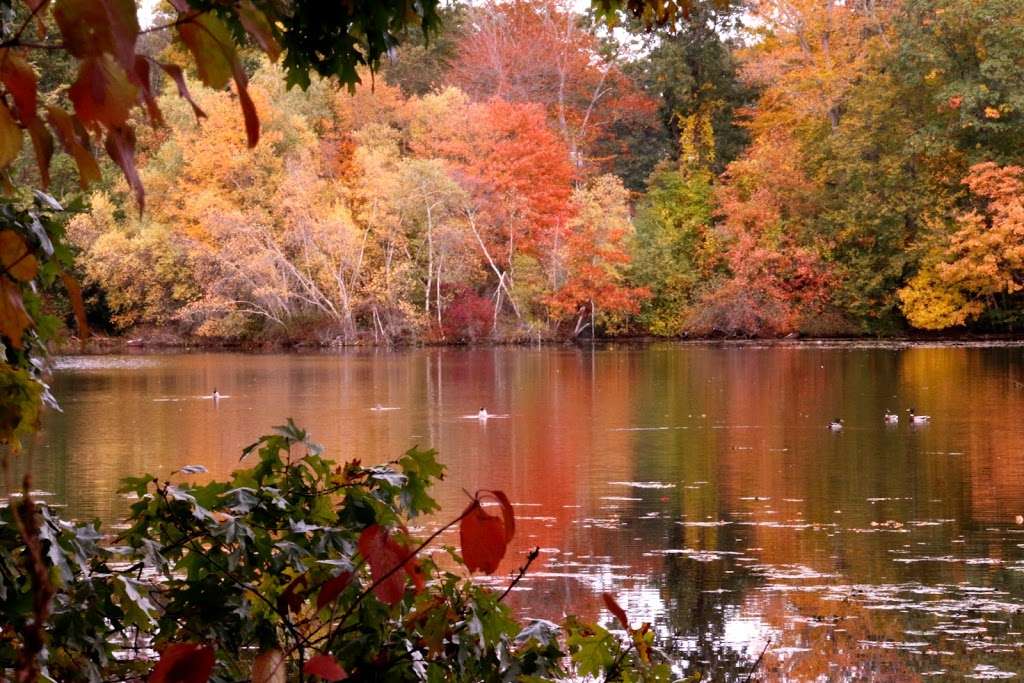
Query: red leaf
(102, 93)
(507, 513)
(482, 536)
(386, 558)
(42, 143)
(145, 82)
(616, 609)
(257, 26)
(64, 125)
(332, 589)
(175, 72)
(252, 121)
(93, 27)
(20, 80)
(326, 667)
(415, 572)
(120, 145)
(183, 663)
(291, 598)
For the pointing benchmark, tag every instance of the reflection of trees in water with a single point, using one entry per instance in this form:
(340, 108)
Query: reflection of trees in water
(697, 617)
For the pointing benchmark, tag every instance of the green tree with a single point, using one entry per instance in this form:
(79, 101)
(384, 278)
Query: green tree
(675, 246)
(691, 70)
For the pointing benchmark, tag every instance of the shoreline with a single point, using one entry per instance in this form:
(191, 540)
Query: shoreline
(100, 346)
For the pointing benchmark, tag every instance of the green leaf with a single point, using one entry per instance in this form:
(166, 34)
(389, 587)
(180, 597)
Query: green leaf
(210, 42)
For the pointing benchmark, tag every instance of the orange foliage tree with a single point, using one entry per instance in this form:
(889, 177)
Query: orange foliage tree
(593, 254)
(981, 268)
(775, 278)
(540, 52)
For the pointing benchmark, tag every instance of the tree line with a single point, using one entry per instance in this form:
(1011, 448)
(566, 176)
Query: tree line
(776, 167)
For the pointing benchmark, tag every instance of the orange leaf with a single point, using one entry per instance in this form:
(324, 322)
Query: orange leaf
(102, 93)
(616, 609)
(269, 667)
(482, 536)
(10, 137)
(13, 318)
(120, 145)
(20, 80)
(332, 588)
(183, 663)
(326, 667)
(386, 558)
(77, 304)
(16, 258)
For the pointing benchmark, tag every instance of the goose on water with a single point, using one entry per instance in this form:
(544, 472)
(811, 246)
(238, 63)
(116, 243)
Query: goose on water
(891, 418)
(483, 414)
(918, 419)
(836, 424)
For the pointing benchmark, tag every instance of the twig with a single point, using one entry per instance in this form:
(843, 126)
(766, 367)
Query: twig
(534, 554)
(186, 19)
(753, 667)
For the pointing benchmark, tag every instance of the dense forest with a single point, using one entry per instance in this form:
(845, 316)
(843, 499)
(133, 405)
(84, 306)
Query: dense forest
(777, 167)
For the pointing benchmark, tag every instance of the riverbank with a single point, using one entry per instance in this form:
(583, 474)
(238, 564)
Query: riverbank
(159, 341)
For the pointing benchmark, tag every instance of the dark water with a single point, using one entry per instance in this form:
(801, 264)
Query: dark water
(698, 483)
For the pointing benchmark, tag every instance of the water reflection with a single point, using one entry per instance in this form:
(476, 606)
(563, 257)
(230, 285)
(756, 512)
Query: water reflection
(699, 483)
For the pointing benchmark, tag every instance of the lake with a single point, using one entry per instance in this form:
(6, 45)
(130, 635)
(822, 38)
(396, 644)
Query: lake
(699, 483)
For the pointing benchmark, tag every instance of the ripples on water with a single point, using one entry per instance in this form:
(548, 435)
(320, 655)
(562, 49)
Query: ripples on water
(698, 483)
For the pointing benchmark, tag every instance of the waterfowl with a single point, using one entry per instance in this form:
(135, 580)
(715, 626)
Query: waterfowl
(215, 395)
(918, 419)
(891, 418)
(483, 415)
(836, 424)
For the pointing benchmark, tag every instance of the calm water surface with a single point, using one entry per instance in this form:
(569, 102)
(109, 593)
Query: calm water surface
(698, 483)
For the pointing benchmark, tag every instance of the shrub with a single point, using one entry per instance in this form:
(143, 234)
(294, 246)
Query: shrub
(297, 568)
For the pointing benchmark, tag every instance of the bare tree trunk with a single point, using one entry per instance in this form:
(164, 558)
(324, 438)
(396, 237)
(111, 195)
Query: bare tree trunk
(494, 267)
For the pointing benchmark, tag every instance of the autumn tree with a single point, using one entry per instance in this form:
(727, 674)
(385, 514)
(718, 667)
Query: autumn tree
(592, 255)
(981, 268)
(776, 277)
(516, 174)
(542, 52)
